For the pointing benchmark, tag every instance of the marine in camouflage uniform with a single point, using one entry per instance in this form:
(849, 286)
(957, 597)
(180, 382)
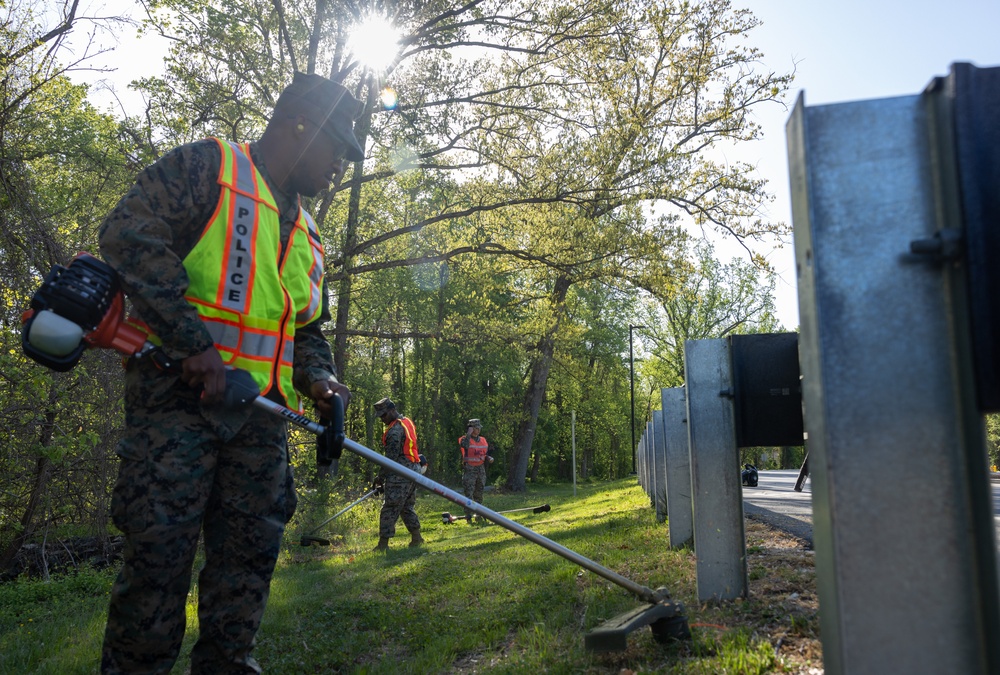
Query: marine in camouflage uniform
(474, 448)
(188, 465)
(400, 445)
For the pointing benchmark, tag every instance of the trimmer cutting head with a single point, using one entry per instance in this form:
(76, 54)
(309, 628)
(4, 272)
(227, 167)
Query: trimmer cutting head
(665, 619)
(309, 541)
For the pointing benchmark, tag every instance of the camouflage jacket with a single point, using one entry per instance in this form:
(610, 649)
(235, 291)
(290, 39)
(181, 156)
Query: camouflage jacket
(154, 227)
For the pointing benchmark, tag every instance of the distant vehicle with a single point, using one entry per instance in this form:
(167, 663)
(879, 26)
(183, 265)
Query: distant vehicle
(749, 475)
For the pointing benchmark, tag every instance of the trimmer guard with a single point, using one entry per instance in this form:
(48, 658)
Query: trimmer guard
(666, 620)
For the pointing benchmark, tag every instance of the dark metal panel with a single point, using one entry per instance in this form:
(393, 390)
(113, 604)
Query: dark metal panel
(975, 96)
(768, 394)
(675, 433)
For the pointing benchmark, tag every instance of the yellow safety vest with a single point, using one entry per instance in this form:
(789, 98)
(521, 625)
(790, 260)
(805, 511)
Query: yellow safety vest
(250, 300)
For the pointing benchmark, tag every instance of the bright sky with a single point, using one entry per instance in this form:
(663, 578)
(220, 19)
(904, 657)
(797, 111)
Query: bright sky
(850, 50)
(840, 50)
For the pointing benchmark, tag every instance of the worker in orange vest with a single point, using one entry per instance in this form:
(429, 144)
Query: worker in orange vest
(399, 443)
(474, 448)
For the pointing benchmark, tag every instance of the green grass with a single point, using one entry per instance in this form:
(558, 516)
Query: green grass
(473, 599)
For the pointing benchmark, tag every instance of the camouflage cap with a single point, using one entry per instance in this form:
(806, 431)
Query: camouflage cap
(474, 422)
(328, 104)
(382, 406)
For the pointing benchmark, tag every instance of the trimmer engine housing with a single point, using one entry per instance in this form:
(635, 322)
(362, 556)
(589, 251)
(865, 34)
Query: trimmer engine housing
(78, 306)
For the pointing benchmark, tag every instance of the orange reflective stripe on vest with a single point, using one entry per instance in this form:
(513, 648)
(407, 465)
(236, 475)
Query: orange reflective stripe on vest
(410, 450)
(476, 453)
(305, 252)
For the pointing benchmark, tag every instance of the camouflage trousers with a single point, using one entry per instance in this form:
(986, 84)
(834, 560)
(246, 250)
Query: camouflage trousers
(473, 481)
(187, 470)
(400, 498)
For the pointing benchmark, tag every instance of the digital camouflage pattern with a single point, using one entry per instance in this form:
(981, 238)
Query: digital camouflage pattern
(186, 467)
(473, 477)
(473, 481)
(182, 463)
(400, 493)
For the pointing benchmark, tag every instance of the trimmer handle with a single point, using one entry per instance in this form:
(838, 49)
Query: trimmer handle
(241, 389)
(330, 443)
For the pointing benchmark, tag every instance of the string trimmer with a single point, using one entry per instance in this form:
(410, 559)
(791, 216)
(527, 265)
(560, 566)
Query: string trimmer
(82, 306)
(308, 539)
(449, 519)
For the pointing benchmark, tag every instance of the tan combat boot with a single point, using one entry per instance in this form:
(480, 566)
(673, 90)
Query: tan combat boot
(416, 539)
(382, 545)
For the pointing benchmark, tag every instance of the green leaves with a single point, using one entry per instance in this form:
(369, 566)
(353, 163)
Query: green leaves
(520, 206)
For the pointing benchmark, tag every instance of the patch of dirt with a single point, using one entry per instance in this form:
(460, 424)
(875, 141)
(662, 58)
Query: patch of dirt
(474, 662)
(782, 608)
(783, 604)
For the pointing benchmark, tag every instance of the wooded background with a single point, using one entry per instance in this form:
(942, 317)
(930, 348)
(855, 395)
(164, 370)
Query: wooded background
(550, 175)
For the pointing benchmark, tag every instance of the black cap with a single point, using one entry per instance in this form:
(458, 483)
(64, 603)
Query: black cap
(382, 406)
(328, 104)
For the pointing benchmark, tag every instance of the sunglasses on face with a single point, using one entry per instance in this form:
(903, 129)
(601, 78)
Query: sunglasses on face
(339, 146)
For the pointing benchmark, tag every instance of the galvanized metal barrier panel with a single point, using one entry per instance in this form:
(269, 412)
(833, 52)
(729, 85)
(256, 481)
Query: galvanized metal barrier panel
(678, 461)
(659, 467)
(640, 462)
(719, 536)
(650, 464)
(904, 583)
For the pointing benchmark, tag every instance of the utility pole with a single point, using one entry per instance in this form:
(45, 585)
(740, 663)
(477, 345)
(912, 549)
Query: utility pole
(572, 427)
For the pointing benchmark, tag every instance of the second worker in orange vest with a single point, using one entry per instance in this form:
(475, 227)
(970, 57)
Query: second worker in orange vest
(474, 449)
(399, 443)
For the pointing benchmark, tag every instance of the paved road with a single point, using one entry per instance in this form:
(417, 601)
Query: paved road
(775, 501)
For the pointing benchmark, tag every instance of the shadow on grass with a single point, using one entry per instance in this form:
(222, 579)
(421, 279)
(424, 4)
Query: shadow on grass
(472, 595)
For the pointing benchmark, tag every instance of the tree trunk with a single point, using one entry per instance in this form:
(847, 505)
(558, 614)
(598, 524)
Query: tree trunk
(361, 128)
(616, 447)
(788, 458)
(43, 468)
(437, 382)
(518, 468)
(345, 286)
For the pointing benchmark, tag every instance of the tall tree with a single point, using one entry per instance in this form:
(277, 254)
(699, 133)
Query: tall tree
(60, 169)
(661, 89)
(530, 176)
(712, 300)
(631, 98)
